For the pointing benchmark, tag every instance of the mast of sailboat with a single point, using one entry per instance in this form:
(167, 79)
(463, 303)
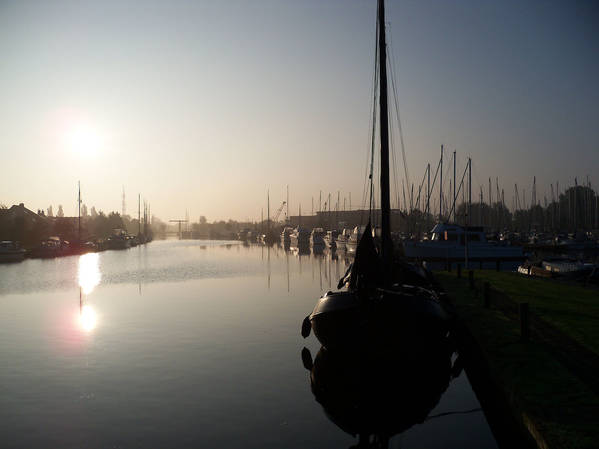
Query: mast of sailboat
(79, 211)
(441, 187)
(386, 244)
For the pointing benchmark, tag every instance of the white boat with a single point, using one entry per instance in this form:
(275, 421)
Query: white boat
(11, 251)
(452, 242)
(341, 240)
(330, 239)
(353, 239)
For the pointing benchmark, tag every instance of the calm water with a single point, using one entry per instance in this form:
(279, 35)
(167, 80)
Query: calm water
(179, 344)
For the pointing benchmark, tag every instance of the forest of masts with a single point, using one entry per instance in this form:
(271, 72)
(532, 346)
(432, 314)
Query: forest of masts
(570, 208)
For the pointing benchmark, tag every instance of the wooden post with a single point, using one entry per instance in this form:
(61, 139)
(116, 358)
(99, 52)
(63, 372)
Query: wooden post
(487, 294)
(459, 271)
(524, 322)
(471, 279)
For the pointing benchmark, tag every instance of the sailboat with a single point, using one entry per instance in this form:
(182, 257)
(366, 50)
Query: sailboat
(384, 298)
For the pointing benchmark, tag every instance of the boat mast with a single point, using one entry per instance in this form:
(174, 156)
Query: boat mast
(441, 187)
(79, 211)
(387, 245)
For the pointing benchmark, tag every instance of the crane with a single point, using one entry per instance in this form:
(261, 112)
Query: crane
(279, 210)
(179, 221)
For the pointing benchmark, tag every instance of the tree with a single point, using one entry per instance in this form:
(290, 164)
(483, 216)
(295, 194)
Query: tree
(50, 213)
(93, 212)
(84, 210)
(60, 213)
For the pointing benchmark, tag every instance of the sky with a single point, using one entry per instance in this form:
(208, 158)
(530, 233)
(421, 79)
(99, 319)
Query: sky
(204, 106)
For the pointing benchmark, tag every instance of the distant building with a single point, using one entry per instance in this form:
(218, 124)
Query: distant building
(343, 219)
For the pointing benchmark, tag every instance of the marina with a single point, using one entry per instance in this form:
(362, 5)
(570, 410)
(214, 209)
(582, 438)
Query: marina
(394, 295)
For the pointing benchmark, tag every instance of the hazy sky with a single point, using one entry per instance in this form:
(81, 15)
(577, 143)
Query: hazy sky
(203, 105)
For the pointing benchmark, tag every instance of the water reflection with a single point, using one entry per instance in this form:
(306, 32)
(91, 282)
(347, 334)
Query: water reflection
(89, 272)
(89, 276)
(375, 395)
(88, 318)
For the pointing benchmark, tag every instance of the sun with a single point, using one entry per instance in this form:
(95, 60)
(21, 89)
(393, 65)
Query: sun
(83, 138)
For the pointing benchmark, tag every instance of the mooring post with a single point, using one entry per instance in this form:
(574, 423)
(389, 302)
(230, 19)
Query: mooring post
(459, 271)
(524, 321)
(497, 264)
(487, 293)
(471, 279)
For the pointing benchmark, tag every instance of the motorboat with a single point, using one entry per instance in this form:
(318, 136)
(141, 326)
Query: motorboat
(341, 240)
(330, 239)
(51, 247)
(118, 240)
(454, 243)
(11, 251)
(317, 239)
(351, 243)
(300, 239)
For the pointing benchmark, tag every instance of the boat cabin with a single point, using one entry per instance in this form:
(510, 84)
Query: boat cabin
(452, 233)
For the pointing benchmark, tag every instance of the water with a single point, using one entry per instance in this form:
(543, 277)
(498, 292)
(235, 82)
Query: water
(179, 344)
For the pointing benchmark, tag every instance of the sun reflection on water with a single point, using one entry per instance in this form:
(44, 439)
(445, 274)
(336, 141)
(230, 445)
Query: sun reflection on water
(89, 272)
(88, 318)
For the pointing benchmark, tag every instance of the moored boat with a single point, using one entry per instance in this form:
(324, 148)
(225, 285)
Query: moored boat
(378, 305)
(11, 251)
(300, 239)
(455, 243)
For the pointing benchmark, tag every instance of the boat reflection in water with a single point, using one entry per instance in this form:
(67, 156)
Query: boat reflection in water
(375, 394)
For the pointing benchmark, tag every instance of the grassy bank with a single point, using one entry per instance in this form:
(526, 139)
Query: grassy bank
(549, 391)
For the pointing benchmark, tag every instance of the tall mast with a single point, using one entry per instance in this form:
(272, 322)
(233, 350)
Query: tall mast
(139, 215)
(441, 187)
(79, 210)
(387, 245)
(454, 184)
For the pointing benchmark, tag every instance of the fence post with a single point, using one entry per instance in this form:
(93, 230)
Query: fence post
(524, 322)
(486, 294)
(471, 279)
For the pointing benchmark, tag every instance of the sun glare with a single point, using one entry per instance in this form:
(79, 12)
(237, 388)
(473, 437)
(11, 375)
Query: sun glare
(89, 272)
(83, 138)
(88, 318)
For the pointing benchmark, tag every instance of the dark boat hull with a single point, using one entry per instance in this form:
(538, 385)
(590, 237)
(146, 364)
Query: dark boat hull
(343, 320)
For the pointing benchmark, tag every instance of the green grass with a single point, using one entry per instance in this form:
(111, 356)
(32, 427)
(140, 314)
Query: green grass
(572, 309)
(562, 407)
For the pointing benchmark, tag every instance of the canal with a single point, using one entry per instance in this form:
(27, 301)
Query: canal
(182, 344)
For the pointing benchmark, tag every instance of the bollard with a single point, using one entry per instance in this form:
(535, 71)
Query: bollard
(497, 263)
(459, 271)
(471, 279)
(524, 322)
(487, 294)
